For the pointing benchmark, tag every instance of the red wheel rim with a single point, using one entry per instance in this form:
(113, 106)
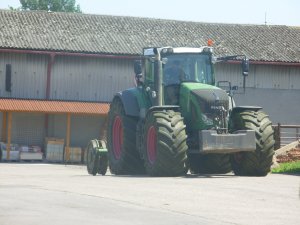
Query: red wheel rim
(151, 144)
(117, 137)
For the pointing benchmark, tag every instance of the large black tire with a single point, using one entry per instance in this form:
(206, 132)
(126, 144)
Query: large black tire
(164, 144)
(121, 140)
(209, 164)
(259, 162)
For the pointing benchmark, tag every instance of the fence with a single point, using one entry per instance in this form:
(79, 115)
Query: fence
(285, 134)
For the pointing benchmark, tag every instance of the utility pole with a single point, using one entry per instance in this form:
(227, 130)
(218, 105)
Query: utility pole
(265, 18)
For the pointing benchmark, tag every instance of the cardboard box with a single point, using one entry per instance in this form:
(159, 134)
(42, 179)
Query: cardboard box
(75, 155)
(53, 140)
(54, 152)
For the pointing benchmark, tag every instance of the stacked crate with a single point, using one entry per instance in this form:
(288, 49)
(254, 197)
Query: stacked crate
(14, 153)
(75, 155)
(54, 149)
(30, 153)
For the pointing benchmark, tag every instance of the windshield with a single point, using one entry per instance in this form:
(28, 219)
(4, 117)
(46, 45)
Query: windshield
(187, 68)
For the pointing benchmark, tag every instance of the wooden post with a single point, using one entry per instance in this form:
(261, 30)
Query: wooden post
(8, 136)
(103, 129)
(4, 127)
(279, 135)
(68, 137)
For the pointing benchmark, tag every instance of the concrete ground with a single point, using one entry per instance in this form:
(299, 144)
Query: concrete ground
(48, 194)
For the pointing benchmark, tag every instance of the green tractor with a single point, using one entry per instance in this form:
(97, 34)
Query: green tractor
(176, 119)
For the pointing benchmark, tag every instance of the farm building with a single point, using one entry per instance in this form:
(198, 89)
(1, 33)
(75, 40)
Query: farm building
(59, 71)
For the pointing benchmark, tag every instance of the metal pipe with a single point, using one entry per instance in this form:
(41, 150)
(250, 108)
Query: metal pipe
(158, 76)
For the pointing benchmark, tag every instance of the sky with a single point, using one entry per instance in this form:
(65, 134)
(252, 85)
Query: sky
(273, 12)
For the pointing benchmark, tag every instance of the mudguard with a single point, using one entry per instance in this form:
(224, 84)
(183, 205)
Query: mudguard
(136, 104)
(130, 102)
(238, 109)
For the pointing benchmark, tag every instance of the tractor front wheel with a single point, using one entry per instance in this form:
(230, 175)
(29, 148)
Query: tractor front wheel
(164, 144)
(257, 163)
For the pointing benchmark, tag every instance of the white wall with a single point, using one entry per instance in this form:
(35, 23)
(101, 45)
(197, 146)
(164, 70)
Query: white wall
(28, 76)
(275, 88)
(90, 79)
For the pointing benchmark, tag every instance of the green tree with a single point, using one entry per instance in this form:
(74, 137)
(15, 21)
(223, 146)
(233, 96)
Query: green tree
(51, 5)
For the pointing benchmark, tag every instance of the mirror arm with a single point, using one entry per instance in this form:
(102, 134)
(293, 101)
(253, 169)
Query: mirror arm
(230, 57)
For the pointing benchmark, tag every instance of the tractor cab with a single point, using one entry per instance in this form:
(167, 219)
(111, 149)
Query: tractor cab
(167, 68)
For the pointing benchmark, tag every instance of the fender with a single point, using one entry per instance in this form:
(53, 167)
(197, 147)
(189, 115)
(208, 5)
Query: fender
(238, 109)
(130, 102)
(164, 107)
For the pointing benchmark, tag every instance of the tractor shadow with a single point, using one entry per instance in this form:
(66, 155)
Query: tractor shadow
(229, 175)
(187, 176)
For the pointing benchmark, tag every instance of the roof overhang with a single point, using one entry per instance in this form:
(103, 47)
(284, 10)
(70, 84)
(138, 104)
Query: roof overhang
(58, 53)
(132, 57)
(274, 63)
(53, 107)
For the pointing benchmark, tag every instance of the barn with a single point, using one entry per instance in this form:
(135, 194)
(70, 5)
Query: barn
(59, 71)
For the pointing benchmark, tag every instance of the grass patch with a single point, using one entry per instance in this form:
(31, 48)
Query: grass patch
(289, 167)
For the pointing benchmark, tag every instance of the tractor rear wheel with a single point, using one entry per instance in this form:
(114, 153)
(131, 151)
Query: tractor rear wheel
(164, 144)
(122, 154)
(259, 162)
(210, 163)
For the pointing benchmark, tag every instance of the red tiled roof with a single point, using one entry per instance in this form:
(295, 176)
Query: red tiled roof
(43, 106)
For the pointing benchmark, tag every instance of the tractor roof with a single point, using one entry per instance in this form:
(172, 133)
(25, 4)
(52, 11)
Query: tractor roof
(178, 50)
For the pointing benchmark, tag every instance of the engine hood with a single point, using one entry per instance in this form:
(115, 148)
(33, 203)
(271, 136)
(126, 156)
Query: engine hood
(205, 92)
(203, 104)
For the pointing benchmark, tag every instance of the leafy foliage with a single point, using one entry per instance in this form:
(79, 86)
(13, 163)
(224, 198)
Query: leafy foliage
(51, 5)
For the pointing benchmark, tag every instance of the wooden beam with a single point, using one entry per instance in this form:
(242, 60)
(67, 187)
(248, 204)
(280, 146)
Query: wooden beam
(8, 136)
(68, 137)
(4, 126)
(103, 129)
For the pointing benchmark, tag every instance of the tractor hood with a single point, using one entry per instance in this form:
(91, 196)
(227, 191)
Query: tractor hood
(204, 105)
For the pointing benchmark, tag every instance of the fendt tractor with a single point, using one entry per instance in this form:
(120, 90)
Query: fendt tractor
(177, 118)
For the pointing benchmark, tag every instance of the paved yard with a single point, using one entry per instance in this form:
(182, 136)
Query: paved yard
(47, 194)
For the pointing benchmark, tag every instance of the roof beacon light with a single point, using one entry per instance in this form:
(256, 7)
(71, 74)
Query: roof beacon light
(210, 42)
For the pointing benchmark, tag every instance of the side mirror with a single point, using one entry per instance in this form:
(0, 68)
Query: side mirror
(235, 88)
(138, 67)
(245, 66)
